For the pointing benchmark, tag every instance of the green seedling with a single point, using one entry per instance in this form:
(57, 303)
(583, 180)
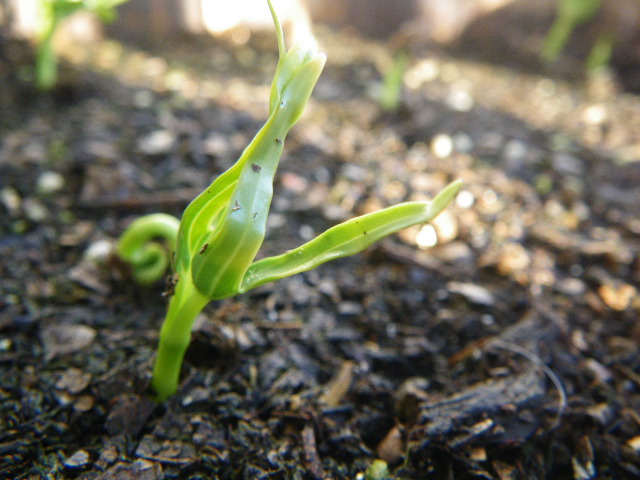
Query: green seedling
(221, 231)
(569, 15)
(600, 53)
(52, 12)
(391, 90)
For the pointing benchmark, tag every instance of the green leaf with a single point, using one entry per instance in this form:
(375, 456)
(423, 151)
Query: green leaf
(391, 92)
(570, 14)
(224, 227)
(204, 213)
(347, 238)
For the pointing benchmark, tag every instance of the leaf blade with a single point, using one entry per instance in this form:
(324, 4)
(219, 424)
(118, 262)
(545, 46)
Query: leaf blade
(347, 238)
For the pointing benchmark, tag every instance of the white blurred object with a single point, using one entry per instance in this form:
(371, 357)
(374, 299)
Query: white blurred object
(446, 19)
(221, 15)
(24, 21)
(152, 19)
(23, 14)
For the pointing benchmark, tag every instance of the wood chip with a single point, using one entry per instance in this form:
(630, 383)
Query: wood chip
(339, 385)
(393, 446)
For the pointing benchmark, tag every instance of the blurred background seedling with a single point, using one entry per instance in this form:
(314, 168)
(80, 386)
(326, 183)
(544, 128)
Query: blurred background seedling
(570, 14)
(52, 12)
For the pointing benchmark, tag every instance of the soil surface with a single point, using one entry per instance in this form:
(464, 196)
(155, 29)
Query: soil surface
(509, 350)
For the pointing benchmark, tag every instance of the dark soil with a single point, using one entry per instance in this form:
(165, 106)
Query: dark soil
(507, 351)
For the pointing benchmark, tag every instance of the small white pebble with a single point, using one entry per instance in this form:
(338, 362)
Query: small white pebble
(306, 232)
(460, 100)
(600, 371)
(49, 182)
(514, 150)
(427, 237)
(489, 197)
(424, 71)
(11, 199)
(472, 292)
(442, 145)
(465, 199)
(143, 99)
(79, 459)
(98, 250)
(488, 320)
(157, 142)
(594, 114)
(5, 344)
(34, 210)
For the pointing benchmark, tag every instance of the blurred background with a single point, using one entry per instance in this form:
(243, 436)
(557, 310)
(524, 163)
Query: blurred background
(511, 32)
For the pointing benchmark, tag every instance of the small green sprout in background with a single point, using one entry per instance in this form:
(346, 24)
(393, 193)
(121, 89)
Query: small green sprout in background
(569, 15)
(391, 90)
(52, 12)
(600, 53)
(222, 230)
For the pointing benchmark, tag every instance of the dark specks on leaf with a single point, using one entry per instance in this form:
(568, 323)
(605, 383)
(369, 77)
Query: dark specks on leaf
(364, 232)
(171, 283)
(255, 168)
(255, 214)
(236, 206)
(279, 141)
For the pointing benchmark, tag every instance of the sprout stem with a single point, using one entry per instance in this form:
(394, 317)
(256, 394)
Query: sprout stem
(175, 336)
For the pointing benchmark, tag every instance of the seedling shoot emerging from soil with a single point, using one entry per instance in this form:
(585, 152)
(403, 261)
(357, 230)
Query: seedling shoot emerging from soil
(221, 231)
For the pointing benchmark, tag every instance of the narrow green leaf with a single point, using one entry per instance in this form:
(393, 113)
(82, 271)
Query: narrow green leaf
(347, 238)
(204, 214)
